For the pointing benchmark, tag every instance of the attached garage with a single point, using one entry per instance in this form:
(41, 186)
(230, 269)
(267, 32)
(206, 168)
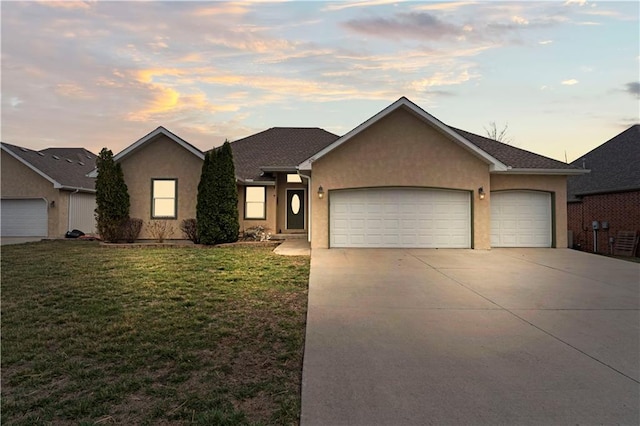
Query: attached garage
(521, 219)
(400, 218)
(24, 217)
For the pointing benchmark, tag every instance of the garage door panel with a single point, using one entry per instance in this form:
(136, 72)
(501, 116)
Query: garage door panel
(521, 219)
(396, 217)
(24, 218)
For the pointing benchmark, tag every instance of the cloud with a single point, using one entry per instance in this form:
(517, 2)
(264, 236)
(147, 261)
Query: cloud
(415, 25)
(365, 3)
(67, 4)
(633, 88)
(544, 42)
(569, 82)
(519, 20)
(449, 6)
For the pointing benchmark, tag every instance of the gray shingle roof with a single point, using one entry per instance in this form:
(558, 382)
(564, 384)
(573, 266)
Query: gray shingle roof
(66, 166)
(277, 148)
(614, 165)
(511, 156)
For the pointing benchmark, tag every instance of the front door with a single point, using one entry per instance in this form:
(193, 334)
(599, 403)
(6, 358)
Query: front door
(295, 208)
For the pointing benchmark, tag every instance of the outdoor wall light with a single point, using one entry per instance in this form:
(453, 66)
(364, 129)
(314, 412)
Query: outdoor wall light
(52, 204)
(320, 192)
(481, 192)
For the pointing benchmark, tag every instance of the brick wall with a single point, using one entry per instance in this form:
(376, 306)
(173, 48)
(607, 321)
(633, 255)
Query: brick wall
(621, 210)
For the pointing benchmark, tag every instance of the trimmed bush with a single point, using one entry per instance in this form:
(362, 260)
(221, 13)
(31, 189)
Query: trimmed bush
(189, 228)
(131, 229)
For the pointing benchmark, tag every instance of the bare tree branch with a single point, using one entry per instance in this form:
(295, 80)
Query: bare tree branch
(499, 135)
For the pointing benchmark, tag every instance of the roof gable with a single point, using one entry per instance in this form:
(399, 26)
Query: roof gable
(613, 165)
(150, 137)
(65, 168)
(494, 163)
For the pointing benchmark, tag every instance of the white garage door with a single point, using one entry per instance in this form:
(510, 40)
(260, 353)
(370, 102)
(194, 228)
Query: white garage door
(400, 217)
(24, 218)
(520, 219)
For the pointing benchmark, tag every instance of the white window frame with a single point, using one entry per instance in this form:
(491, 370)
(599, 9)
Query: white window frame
(263, 202)
(174, 198)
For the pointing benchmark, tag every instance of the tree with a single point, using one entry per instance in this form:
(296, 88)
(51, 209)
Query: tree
(205, 207)
(226, 195)
(217, 207)
(112, 197)
(498, 135)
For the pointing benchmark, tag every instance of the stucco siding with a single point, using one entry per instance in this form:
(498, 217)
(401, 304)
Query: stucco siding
(556, 185)
(162, 158)
(402, 151)
(19, 181)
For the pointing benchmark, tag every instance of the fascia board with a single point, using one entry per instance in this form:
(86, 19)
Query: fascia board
(494, 164)
(520, 171)
(56, 184)
(159, 131)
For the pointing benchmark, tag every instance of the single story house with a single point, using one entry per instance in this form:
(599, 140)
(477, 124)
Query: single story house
(46, 193)
(400, 179)
(609, 195)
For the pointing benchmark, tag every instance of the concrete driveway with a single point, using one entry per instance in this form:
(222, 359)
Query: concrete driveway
(507, 336)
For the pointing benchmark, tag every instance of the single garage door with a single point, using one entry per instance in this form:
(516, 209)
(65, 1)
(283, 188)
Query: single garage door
(400, 217)
(24, 218)
(520, 219)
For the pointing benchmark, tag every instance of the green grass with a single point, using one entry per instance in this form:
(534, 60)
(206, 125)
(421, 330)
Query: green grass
(95, 335)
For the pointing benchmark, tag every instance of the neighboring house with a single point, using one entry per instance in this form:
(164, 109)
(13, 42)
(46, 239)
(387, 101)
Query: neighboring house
(400, 179)
(609, 193)
(46, 193)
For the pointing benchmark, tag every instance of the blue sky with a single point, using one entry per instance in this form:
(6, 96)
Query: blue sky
(564, 76)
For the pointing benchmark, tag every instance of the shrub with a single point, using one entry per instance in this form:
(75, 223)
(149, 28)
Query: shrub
(189, 228)
(226, 196)
(207, 228)
(159, 229)
(130, 229)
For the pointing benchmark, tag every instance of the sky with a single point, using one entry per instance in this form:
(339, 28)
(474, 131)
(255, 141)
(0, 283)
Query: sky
(563, 76)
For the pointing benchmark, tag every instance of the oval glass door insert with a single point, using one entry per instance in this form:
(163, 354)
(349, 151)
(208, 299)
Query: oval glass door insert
(295, 204)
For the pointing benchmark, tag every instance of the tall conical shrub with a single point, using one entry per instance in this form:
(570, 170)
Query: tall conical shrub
(205, 207)
(112, 197)
(226, 196)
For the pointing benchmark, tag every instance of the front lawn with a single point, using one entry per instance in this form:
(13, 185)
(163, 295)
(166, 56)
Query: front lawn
(95, 335)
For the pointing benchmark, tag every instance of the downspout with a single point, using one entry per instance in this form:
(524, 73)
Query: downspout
(309, 202)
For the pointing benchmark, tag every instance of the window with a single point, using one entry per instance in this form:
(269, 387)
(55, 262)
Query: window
(254, 202)
(164, 198)
(294, 178)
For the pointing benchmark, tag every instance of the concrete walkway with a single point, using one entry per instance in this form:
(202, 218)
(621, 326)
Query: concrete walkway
(294, 247)
(5, 241)
(508, 336)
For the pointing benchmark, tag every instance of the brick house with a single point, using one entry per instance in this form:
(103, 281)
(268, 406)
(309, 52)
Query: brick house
(610, 193)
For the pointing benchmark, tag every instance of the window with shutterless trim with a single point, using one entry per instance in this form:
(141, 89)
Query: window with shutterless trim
(164, 198)
(255, 198)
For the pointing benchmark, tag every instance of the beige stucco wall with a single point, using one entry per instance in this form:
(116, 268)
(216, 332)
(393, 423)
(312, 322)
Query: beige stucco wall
(19, 181)
(556, 185)
(400, 150)
(162, 158)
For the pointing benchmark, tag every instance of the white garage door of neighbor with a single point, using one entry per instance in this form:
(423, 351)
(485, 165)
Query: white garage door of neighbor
(24, 218)
(82, 212)
(520, 219)
(400, 217)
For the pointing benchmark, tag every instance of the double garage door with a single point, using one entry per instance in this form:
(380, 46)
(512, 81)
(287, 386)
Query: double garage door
(24, 218)
(430, 218)
(400, 217)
